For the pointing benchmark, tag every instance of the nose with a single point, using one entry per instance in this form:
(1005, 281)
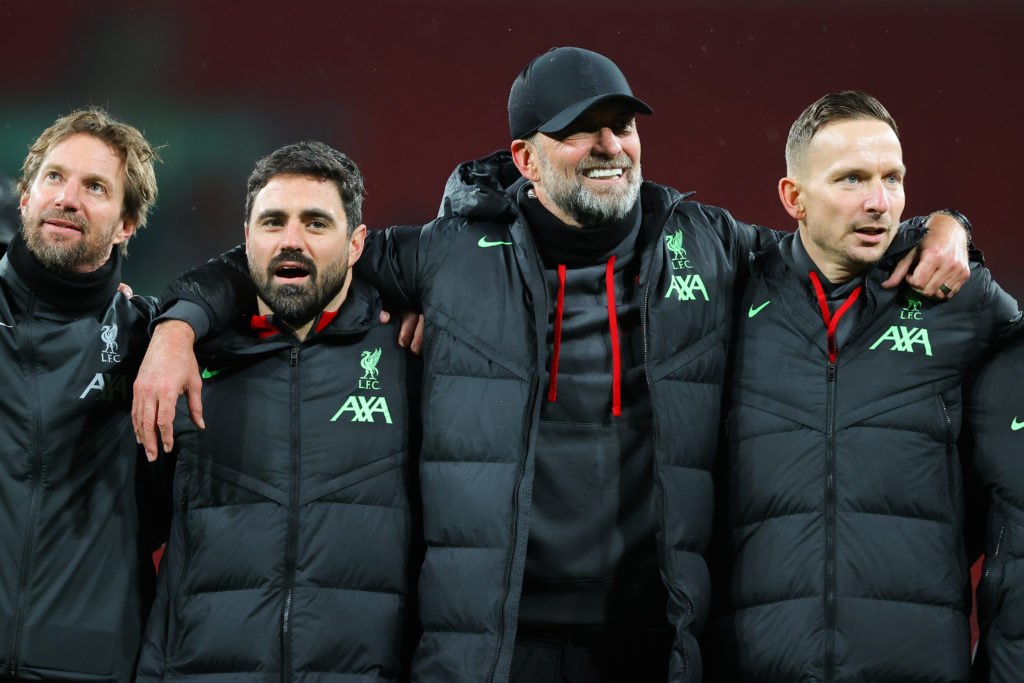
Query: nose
(68, 198)
(607, 142)
(292, 237)
(877, 200)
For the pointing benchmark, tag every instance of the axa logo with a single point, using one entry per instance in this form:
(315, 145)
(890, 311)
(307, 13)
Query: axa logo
(111, 387)
(368, 361)
(905, 338)
(108, 334)
(911, 309)
(364, 409)
(686, 287)
(674, 243)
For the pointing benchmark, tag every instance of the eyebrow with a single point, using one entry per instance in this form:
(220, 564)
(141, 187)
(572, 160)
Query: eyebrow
(305, 214)
(63, 170)
(857, 170)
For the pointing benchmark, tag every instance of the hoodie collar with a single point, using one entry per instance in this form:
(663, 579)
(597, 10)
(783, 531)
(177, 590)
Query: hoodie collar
(77, 292)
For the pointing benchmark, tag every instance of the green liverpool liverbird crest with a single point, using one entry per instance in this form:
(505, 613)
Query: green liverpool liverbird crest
(368, 361)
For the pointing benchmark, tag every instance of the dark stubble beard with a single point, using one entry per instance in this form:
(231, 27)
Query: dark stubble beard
(297, 304)
(62, 256)
(591, 209)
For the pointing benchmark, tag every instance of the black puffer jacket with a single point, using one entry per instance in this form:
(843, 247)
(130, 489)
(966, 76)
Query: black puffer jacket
(290, 542)
(996, 419)
(76, 578)
(476, 275)
(844, 492)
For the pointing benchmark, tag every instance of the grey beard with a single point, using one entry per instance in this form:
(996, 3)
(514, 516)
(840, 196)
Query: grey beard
(590, 210)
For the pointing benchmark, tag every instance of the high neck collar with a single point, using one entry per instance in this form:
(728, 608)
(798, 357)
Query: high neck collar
(69, 291)
(805, 264)
(567, 244)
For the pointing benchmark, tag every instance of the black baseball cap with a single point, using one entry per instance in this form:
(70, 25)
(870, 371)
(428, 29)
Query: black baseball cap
(560, 85)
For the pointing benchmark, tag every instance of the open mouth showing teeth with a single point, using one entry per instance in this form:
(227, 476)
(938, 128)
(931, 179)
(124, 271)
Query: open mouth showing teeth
(603, 173)
(871, 231)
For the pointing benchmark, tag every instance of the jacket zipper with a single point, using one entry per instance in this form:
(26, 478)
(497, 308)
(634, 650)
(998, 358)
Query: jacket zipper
(950, 443)
(644, 322)
(183, 505)
(293, 522)
(28, 547)
(990, 563)
(830, 526)
(174, 634)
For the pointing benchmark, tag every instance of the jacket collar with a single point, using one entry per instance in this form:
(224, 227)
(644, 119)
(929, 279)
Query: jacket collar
(358, 313)
(785, 252)
(69, 292)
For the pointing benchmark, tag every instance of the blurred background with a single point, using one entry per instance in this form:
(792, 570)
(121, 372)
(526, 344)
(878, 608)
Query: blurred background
(410, 89)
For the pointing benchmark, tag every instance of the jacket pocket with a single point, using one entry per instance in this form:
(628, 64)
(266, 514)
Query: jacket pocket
(1001, 590)
(954, 478)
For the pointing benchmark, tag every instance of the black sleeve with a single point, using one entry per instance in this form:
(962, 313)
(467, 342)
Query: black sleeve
(221, 287)
(390, 262)
(752, 238)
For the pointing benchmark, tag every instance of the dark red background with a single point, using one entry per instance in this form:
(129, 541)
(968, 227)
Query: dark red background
(409, 89)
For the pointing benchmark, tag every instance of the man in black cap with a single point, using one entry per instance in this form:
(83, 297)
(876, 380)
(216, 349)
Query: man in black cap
(577, 321)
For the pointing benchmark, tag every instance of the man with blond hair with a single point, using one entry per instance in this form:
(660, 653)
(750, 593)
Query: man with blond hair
(75, 498)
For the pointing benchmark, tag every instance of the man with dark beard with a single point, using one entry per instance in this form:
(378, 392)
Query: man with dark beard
(290, 540)
(78, 507)
(577, 320)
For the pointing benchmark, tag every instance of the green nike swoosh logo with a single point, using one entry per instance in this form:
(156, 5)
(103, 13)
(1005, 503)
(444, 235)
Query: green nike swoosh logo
(208, 373)
(1016, 425)
(484, 243)
(754, 311)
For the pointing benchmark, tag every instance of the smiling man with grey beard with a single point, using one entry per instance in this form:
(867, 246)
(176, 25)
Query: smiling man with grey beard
(584, 204)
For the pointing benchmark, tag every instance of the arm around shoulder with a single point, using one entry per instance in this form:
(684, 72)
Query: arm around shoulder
(391, 263)
(221, 289)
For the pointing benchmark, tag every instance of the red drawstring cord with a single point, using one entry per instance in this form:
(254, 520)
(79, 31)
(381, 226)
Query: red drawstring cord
(613, 330)
(552, 392)
(832, 321)
(613, 324)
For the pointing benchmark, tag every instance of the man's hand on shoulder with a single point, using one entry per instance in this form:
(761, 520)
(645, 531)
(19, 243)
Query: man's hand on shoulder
(168, 370)
(938, 266)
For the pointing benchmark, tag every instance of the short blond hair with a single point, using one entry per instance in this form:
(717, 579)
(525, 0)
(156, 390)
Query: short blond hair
(131, 146)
